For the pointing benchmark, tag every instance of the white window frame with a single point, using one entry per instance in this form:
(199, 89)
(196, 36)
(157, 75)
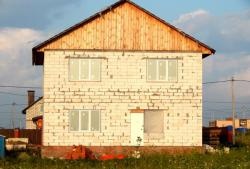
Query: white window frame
(80, 69)
(167, 70)
(89, 121)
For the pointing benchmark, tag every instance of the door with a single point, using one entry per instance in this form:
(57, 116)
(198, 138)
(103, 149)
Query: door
(137, 129)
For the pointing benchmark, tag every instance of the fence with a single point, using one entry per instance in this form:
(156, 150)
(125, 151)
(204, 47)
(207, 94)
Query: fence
(216, 135)
(34, 135)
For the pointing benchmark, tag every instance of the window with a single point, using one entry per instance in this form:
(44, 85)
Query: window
(84, 120)
(161, 70)
(153, 121)
(84, 69)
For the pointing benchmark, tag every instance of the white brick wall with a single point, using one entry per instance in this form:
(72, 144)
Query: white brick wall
(31, 112)
(123, 87)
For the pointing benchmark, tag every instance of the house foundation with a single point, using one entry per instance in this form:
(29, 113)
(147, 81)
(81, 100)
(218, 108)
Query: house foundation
(62, 151)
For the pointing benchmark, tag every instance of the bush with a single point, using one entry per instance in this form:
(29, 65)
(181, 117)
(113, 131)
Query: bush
(243, 140)
(23, 156)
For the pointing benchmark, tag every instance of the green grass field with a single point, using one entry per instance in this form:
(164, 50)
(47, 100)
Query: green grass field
(236, 159)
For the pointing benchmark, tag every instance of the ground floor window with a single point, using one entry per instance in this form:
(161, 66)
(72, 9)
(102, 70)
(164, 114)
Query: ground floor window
(84, 120)
(153, 121)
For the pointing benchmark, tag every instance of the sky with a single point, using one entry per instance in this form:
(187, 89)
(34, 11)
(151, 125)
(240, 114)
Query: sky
(223, 25)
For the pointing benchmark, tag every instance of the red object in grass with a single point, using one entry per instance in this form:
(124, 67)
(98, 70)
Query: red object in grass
(120, 156)
(78, 152)
(105, 157)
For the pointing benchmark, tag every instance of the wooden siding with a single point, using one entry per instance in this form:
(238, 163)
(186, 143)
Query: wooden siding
(126, 27)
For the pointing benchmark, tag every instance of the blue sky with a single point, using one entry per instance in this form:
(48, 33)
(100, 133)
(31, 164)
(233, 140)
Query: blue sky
(221, 24)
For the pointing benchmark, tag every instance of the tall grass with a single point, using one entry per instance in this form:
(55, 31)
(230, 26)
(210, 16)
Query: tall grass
(236, 159)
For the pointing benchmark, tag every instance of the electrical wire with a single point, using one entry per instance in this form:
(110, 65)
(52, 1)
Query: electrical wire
(15, 94)
(19, 87)
(13, 104)
(225, 102)
(224, 81)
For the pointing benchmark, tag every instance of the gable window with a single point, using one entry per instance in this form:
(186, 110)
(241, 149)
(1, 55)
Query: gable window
(153, 121)
(162, 70)
(84, 120)
(84, 69)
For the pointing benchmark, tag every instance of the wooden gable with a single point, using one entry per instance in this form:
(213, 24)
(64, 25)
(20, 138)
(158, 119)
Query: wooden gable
(123, 26)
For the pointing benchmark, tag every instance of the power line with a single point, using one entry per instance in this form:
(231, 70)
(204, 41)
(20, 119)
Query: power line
(20, 87)
(12, 104)
(224, 81)
(15, 94)
(9, 93)
(225, 102)
(242, 81)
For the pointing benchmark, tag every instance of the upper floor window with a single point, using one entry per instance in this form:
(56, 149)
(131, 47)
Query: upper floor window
(84, 69)
(84, 120)
(162, 70)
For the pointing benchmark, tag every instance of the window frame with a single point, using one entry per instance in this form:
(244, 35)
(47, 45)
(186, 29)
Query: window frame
(89, 70)
(89, 120)
(157, 70)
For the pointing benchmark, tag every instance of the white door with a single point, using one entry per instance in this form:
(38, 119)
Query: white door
(137, 129)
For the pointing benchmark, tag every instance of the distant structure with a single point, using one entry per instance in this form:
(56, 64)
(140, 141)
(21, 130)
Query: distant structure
(239, 123)
(33, 112)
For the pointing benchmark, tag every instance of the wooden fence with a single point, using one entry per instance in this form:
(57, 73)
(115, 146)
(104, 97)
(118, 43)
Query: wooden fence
(34, 135)
(215, 136)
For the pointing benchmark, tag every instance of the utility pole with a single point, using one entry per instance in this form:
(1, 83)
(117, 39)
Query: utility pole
(13, 115)
(233, 109)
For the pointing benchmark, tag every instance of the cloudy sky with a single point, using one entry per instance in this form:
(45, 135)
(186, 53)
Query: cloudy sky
(223, 25)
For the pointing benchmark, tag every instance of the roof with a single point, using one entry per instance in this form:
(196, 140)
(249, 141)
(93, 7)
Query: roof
(24, 110)
(37, 118)
(36, 53)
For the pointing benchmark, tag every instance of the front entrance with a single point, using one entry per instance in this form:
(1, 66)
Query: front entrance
(137, 129)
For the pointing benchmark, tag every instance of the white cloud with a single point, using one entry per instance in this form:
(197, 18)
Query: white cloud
(190, 16)
(16, 67)
(15, 56)
(229, 35)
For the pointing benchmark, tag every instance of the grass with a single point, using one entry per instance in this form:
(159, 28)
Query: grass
(237, 159)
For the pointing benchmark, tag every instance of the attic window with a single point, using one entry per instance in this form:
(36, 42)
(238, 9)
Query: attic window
(162, 70)
(84, 69)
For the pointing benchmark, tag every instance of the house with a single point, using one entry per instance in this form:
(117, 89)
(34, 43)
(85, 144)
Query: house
(33, 112)
(239, 123)
(119, 79)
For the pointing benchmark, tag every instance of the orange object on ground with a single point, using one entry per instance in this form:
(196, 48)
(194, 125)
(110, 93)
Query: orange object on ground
(78, 152)
(120, 156)
(105, 157)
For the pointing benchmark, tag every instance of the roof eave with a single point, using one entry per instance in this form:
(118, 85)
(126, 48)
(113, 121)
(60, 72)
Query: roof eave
(24, 110)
